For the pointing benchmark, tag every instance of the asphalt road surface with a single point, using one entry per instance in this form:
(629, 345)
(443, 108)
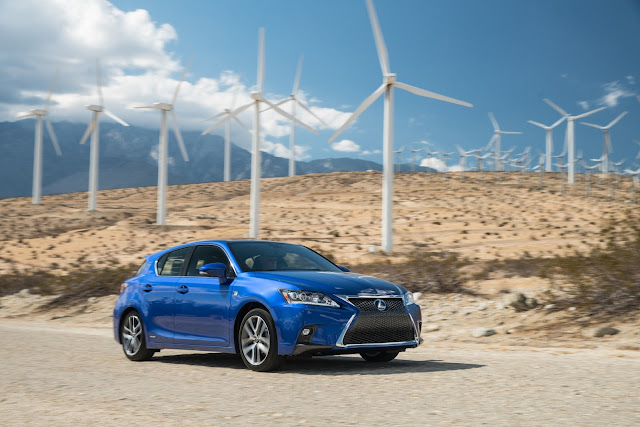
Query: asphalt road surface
(57, 375)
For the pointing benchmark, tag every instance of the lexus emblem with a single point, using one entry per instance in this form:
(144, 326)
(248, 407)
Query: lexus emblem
(380, 305)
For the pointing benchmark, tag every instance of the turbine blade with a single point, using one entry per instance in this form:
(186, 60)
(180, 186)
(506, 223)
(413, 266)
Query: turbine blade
(52, 135)
(461, 151)
(289, 116)
(428, 94)
(491, 141)
(503, 132)
(494, 122)
(296, 82)
(260, 59)
(92, 124)
(51, 88)
(99, 82)
(365, 104)
(242, 125)
(176, 131)
(592, 125)
(617, 119)
(538, 124)
(215, 117)
(383, 55)
(312, 113)
(184, 75)
(231, 115)
(558, 122)
(114, 117)
(588, 113)
(555, 107)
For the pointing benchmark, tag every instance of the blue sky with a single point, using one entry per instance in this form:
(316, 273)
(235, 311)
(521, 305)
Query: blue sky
(502, 56)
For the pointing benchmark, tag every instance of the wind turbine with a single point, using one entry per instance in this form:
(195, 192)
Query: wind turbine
(258, 98)
(40, 115)
(163, 148)
(495, 140)
(570, 137)
(606, 145)
(549, 140)
(398, 154)
(94, 130)
(414, 157)
(295, 101)
(227, 134)
(388, 83)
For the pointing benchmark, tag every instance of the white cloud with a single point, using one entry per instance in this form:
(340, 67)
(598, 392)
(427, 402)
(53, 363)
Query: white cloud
(137, 64)
(631, 80)
(370, 152)
(280, 150)
(434, 163)
(614, 91)
(584, 105)
(346, 146)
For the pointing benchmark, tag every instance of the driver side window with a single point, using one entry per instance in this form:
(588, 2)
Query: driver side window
(207, 254)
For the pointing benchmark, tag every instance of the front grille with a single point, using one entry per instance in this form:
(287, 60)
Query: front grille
(373, 326)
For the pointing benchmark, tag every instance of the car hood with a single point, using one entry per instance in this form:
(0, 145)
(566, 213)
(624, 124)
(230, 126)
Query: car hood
(329, 282)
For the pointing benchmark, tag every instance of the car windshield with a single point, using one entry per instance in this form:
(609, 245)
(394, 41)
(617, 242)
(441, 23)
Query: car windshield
(273, 256)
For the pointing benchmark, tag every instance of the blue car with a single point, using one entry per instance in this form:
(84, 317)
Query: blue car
(264, 301)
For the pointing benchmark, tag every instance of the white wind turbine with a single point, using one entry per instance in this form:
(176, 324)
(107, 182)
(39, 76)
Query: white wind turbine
(389, 82)
(606, 145)
(163, 148)
(94, 130)
(227, 134)
(495, 140)
(570, 137)
(258, 98)
(295, 101)
(549, 141)
(40, 115)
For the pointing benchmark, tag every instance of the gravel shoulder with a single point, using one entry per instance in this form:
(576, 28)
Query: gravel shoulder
(59, 374)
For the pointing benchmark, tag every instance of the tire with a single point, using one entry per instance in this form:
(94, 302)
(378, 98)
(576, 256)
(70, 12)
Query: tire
(132, 338)
(257, 341)
(379, 356)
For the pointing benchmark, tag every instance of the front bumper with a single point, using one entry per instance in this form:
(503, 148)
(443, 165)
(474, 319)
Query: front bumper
(330, 326)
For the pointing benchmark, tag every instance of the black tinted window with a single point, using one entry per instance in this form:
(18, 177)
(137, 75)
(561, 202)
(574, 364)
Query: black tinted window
(171, 264)
(207, 254)
(271, 256)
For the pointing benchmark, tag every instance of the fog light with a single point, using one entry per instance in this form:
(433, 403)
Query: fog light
(306, 334)
(306, 331)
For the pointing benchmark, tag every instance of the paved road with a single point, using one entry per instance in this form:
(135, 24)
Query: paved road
(56, 375)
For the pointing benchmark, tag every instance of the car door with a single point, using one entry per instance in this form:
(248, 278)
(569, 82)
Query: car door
(202, 302)
(159, 291)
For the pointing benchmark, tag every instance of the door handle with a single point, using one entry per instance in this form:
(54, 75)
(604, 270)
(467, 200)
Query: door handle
(183, 289)
(147, 287)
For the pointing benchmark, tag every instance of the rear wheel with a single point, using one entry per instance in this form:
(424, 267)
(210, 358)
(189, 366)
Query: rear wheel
(258, 342)
(132, 338)
(379, 356)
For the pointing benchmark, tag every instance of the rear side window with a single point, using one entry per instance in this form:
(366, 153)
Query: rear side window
(141, 268)
(171, 264)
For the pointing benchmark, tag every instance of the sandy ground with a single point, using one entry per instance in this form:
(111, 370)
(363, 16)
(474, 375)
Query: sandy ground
(483, 217)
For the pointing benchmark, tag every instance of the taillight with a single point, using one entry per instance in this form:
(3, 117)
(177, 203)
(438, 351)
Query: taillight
(123, 287)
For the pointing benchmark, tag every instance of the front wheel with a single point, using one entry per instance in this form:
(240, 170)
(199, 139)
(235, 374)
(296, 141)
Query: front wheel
(258, 341)
(132, 338)
(379, 356)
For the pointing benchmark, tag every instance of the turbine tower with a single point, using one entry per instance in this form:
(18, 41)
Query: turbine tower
(227, 134)
(295, 101)
(163, 147)
(495, 140)
(570, 138)
(549, 141)
(40, 115)
(606, 145)
(389, 82)
(94, 130)
(258, 98)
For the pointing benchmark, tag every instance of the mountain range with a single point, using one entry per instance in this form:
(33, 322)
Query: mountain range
(128, 158)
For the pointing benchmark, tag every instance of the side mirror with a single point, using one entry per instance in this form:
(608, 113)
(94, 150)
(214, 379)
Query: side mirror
(343, 268)
(215, 269)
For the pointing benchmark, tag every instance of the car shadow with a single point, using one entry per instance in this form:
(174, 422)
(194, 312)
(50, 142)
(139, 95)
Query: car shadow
(321, 365)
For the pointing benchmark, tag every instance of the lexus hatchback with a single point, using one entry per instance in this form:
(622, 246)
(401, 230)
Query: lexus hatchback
(264, 301)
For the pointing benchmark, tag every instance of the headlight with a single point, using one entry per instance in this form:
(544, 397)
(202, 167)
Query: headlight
(408, 298)
(307, 297)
